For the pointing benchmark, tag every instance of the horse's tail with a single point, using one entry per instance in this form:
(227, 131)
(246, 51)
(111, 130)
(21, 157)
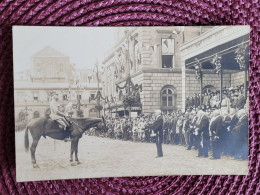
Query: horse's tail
(26, 139)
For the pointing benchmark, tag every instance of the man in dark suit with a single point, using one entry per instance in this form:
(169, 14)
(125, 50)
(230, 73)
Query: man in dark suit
(240, 134)
(157, 127)
(202, 125)
(216, 128)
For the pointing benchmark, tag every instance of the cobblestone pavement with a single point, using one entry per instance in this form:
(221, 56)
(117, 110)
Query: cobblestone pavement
(103, 157)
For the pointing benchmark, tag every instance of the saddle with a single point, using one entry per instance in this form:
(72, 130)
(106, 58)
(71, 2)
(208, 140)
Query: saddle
(53, 127)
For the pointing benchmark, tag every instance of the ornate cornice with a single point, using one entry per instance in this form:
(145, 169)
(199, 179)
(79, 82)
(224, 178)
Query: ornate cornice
(212, 38)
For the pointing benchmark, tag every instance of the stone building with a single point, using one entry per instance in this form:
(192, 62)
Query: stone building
(162, 59)
(52, 71)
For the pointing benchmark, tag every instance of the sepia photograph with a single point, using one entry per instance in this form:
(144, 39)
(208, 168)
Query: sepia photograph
(96, 102)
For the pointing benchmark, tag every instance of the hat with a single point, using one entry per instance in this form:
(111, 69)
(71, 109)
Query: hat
(157, 112)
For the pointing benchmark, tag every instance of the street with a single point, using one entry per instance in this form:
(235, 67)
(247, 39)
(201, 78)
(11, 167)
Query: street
(104, 157)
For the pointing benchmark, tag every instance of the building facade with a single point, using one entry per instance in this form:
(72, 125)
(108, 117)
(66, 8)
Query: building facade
(162, 59)
(52, 71)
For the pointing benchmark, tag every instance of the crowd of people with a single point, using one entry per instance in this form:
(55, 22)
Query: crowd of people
(223, 128)
(211, 100)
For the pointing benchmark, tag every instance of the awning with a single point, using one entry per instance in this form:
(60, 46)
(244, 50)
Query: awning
(221, 49)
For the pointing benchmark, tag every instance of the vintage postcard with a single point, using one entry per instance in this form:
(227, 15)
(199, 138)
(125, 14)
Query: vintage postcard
(130, 101)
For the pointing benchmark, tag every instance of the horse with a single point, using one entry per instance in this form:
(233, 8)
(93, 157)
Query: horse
(45, 127)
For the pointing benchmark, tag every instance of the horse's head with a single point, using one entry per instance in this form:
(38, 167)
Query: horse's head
(85, 123)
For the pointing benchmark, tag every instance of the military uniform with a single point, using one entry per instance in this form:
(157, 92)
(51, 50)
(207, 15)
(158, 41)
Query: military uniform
(157, 127)
(57, 115)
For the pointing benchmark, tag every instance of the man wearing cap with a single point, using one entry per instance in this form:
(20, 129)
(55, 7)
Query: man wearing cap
(157, 127)
(56, 114)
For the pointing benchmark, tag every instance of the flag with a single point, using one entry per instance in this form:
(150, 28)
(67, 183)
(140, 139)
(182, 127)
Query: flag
(166, 42)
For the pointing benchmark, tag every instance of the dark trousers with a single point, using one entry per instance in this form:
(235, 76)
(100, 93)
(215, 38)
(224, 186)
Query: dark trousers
(197, 140)
(216, 148)
(204, 148)
(159, 147)
(240, 147)
(191, 138)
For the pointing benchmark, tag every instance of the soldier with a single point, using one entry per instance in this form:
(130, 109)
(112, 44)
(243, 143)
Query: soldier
(172, 127)
(186, 127)
(157, 127)
(179, 127)
(56, 113)
(191, 136)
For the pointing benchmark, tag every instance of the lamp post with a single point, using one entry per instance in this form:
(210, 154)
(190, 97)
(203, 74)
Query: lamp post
(79, 112)
(98, 96)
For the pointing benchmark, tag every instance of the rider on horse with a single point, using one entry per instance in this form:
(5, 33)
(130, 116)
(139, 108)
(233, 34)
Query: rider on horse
(56, 113)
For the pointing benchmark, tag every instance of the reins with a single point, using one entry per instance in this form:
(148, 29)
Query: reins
(81, 129)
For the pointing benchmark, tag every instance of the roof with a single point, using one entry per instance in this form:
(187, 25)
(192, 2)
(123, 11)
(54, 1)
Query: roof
(48, 51)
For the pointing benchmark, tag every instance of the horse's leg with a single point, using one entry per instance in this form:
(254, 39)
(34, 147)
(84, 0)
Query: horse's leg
(33, 149)
(76, 151)
(72, 150)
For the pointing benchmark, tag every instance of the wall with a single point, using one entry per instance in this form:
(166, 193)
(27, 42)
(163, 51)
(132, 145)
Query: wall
(152, 85)
(193, 85)
(237, 78)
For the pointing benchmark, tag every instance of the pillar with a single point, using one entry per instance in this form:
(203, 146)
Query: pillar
(183, 74)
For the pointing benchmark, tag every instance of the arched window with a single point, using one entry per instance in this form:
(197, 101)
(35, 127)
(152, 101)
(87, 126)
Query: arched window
(93, 112)
(168, 98)
(36, 114)
(208, 89)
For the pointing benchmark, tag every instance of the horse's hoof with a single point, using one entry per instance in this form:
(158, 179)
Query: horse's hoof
(35, 166)
(78, 162)
(71, 160)
(73, 164)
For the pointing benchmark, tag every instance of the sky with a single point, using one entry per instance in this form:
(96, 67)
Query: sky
(84, 45)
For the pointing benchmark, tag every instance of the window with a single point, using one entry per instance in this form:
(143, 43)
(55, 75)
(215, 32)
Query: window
(168, 53)
(168, 98)
(93, 113)
(78, 97)
(36, 114)
(38, 68)
(65, 97)
(208, 89)
(35, 97)
(167, 61)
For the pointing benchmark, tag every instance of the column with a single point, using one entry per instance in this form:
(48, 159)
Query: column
(183, 85)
